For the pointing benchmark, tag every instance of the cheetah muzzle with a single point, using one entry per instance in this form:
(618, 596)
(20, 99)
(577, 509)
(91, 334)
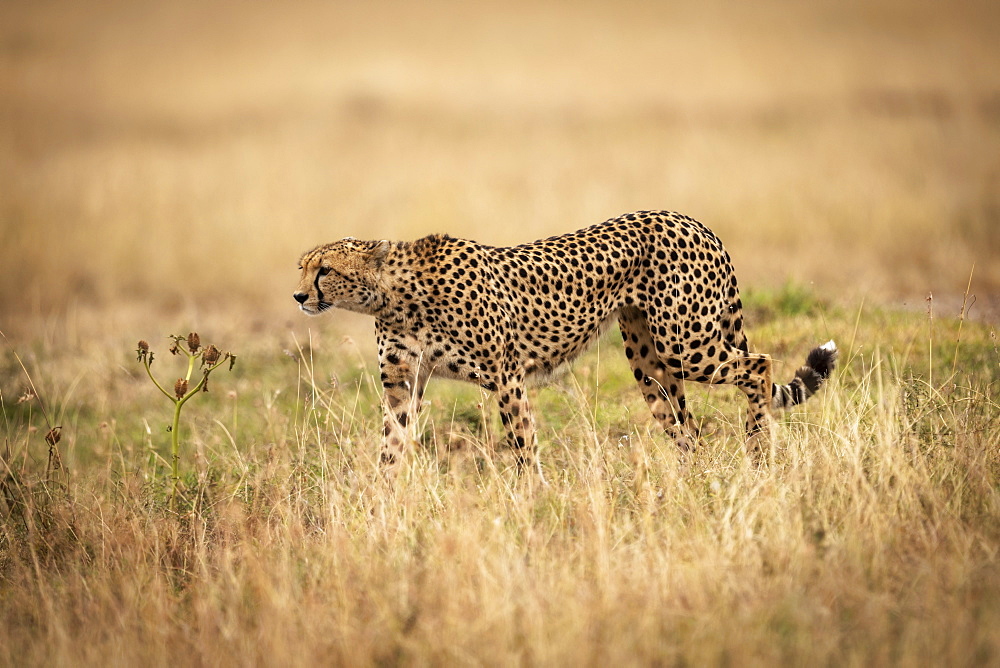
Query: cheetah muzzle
(503, 318)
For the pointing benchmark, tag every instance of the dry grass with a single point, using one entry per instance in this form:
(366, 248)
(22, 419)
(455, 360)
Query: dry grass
(163, 165)
(872, 537)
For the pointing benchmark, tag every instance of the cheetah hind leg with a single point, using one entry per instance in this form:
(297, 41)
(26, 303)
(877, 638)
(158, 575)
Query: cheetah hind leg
(754, 379)
(663, 392)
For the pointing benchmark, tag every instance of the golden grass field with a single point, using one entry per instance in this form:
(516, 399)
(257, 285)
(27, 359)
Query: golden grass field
(163, 165)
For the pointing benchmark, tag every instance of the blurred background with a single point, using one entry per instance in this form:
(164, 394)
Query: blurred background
(155, 155)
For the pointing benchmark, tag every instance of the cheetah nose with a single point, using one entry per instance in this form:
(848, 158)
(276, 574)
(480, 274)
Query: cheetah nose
(301, 297)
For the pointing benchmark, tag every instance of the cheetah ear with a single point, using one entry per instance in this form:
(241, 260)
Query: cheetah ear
(379, 253)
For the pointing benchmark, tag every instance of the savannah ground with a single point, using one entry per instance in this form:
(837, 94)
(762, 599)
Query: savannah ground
(163, 165)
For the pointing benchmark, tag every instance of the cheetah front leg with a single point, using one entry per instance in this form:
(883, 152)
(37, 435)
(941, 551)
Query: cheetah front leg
(404, 377)
(517, 418)
(402, 394)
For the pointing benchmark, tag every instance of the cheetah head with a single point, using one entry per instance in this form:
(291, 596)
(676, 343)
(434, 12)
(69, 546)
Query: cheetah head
(342, 274)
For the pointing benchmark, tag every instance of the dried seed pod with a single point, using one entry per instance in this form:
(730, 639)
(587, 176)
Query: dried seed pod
(142, 350)
(194, 342)
(53, 436)
(181, 387)
(211, 354)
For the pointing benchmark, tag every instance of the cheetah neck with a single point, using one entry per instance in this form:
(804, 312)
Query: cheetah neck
(398, 288)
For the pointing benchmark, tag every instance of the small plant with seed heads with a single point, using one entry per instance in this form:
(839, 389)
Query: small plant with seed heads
(207, 360)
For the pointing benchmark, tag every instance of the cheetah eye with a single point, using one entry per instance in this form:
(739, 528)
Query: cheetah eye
(323, 271)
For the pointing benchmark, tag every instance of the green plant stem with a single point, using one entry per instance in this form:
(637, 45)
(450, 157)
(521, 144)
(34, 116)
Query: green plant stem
(175, 449)
(175, 454)
(175, 443)
(149, 373)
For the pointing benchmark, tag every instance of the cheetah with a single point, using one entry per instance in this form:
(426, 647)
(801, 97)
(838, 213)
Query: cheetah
(508, 317)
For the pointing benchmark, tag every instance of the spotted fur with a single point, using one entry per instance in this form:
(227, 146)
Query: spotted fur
(503, 318)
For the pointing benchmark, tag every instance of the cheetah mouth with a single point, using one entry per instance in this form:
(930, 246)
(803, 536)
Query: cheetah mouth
(316, 310)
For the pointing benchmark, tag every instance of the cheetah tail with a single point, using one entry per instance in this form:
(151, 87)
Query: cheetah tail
(808, 379)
